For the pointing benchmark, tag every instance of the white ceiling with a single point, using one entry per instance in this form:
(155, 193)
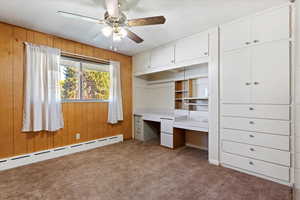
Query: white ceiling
(184, 18)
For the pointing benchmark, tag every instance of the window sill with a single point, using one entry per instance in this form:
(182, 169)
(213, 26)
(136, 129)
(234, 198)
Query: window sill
(85, 101)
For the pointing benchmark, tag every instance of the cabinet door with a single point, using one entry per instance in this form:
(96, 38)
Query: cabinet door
(192, 47)
(271, 73)
(272, 25)
(166, 140)
(235, 35)
(162, 56)
(141, 62)
(236, 76)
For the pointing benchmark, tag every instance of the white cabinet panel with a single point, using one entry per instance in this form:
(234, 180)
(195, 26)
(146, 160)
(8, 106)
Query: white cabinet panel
(162, 56)
(257, 125)
(141, 62)
(260, 167)
(272, 25)
(256, 111)
(236, 77)
(260, 139)
(166, 140)
(271, 73)
(256, 152)
(166, 125)
(192, 47)
(235, 35)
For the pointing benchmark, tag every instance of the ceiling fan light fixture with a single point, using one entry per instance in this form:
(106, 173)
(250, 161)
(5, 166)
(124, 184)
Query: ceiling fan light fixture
(117, 37)
(123, 32)
(107, 31)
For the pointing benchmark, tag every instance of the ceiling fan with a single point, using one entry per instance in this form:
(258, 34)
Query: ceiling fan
(116, 22)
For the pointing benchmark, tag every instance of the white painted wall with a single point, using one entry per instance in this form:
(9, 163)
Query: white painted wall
(297, 102)
(213, 73)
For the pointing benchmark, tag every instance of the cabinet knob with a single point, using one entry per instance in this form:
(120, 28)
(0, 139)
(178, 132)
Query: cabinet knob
(251, 108)
(256, 83)
(251, 149)
(248, 83)
(256, 41)
(251, 163)
(206, 53)
(252, 136)
(251, 122)
(247, 43)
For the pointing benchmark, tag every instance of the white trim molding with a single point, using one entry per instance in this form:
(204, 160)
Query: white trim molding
(214, 162)
(26, 159)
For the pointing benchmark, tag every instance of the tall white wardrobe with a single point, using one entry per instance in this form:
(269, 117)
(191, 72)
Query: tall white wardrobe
(255, 94)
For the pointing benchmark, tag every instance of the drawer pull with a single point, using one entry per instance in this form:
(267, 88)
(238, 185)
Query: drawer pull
(251, 108)
(251, 163)
(252, 136)
(247, 83)
(251, 149)
(251, 122)
(247, 43)
(256, 83)
(256, 41)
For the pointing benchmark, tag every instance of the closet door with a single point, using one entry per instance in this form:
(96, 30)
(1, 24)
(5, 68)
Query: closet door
(271, 26)
(162, 56)
(235, 35)
(192, 47)
(236, 76)
(271, 73)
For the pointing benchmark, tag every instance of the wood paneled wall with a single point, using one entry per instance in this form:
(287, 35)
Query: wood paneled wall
(88, 119)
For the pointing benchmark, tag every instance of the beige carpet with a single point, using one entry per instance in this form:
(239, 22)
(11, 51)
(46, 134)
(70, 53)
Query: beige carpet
(135, 171)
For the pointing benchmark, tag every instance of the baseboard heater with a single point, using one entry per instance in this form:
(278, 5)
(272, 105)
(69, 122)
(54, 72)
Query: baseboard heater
(34, 157)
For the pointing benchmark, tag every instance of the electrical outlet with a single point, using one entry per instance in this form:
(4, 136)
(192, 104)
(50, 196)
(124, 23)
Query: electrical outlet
(77, 136)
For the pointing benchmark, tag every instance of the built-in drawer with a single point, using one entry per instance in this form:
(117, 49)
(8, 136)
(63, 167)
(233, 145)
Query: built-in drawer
(166, 140)
(256, 152)
(257, 166)
(166, 125)
(281, 112)
(257, 125)
(260, 139)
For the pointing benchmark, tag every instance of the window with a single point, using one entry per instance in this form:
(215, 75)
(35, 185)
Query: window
(83, 80)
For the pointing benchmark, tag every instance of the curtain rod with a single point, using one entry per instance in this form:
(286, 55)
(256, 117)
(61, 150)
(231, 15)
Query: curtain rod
(78, 56)
(88, 58)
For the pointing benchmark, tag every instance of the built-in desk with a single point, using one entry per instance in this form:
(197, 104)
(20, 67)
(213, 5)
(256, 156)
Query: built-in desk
(172, 128)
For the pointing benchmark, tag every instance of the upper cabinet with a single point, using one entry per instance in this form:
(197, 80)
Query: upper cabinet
(268, 26)
(236, 76)
(271, 73)
(187, 51)
(141, 62)
(162, 56)
(192, 47)
(235, 35)
(271, 25)
(259, 74)
(255, 65)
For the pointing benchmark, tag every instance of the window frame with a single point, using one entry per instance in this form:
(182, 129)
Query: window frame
(81, 100)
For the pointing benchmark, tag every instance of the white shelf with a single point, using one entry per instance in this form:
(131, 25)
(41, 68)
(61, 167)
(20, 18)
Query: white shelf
(177, 79)
(178, 65)
(196, 104)
(196, 98)
(183, 91)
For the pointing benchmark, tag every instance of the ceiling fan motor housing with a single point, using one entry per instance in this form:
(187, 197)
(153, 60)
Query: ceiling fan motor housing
(121, 20)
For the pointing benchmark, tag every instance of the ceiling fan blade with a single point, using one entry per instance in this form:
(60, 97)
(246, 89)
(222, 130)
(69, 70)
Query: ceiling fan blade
(112, 7)
(82, 17)
(134, 36)
(147, 21)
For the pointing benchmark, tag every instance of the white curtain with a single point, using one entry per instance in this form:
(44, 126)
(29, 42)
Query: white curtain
(42, 101)
(115, 107)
